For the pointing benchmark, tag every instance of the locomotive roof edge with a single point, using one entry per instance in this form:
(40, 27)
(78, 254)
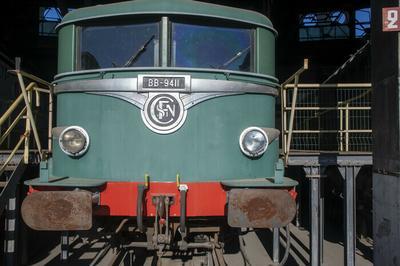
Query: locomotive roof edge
(167, 7)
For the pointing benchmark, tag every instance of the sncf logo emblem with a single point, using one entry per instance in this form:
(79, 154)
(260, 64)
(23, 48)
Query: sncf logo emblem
(163, 110)
(164, 113)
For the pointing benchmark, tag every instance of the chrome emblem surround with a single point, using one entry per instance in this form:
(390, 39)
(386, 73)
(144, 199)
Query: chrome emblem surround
(164, 113)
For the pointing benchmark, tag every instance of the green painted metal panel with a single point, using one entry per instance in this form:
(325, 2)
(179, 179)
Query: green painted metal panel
(260, 182)
(205, 148)
(265, 52)
(164, 7)
(66, 47)
(66, 182)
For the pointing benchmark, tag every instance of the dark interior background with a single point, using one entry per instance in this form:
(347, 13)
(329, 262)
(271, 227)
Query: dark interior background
(20, 23)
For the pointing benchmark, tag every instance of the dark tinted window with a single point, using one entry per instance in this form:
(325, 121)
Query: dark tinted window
(212, 47)
(119, 46)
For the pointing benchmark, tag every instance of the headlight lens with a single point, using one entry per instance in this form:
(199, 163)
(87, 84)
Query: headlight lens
(253, 141)
(74, 141)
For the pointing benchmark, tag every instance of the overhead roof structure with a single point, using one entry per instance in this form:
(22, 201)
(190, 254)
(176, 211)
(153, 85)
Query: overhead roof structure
(186, 7)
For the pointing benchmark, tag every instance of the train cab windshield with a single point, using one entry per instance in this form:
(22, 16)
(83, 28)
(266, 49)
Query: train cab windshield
(119, 46)
(189, 46)
(211, 47)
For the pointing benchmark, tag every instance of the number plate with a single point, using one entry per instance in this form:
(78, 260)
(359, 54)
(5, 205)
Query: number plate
(164, 83)
(391, 19)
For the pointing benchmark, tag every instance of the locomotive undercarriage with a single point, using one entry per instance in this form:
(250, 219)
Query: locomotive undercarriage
(206, 240)
(166, 235)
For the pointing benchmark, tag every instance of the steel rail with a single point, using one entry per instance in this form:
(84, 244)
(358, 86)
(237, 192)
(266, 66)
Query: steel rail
(12, 126)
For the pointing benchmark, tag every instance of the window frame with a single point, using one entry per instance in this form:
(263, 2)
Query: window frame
(165, 38)
(331, 22)
(112, 22)
(219, 24)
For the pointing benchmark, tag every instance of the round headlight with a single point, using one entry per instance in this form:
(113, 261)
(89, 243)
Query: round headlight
(74, 141)
(253, 141)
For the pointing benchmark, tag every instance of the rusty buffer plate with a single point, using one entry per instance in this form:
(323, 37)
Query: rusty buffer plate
(58, 210)
(260, 208)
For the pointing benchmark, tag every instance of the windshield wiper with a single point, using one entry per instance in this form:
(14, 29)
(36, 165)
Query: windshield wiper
(234, 58)
(137, 54)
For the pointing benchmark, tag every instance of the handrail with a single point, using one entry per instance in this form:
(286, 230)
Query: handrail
(330, 85)
(30, 77)
(287, 140)
(297, 73)
(12, 126)
(35, 86)
(346, 113)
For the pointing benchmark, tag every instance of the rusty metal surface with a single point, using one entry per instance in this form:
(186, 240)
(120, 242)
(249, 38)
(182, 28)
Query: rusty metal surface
(260, 208)
(58, 210)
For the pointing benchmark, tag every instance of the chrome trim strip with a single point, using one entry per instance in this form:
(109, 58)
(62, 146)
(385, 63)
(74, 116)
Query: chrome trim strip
(131, 85)
(205, 85)
(164, 41)
(100, 72)
(134, 98)
(139, 100)
(98, 85)
(191, 100)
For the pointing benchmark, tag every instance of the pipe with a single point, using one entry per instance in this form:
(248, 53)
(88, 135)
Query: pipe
(120, 226)
(243, 251)
(139, 208)
(206, 245)
(285, 257)
(182, 219)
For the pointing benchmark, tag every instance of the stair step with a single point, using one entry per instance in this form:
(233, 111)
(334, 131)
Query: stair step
(3, 184)
(9, 167)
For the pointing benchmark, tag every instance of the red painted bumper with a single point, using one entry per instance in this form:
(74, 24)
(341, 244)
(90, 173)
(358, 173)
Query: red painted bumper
(120, 198)
(203, 199)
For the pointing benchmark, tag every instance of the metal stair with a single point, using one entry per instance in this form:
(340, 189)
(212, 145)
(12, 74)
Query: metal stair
(19, 116)
(22, 150)
(11, 183)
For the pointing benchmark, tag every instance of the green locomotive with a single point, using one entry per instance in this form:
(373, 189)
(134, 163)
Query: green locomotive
(166, 115)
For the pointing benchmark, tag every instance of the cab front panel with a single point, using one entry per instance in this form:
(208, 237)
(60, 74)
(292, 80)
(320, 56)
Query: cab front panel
(205, 148)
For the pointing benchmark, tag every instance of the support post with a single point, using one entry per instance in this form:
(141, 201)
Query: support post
(349, 173)
(313, 173)
(347, 126)
(275, 245)
(340, 127)
(64, 247)
(11, 231)
(321, 218)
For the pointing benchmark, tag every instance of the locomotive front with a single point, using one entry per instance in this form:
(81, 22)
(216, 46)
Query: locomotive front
(166, 114)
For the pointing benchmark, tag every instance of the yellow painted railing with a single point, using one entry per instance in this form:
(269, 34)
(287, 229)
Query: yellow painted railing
(345, 117)
(325, 117)
(31, 88)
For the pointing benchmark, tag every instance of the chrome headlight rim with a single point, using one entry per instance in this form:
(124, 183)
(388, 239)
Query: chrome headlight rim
(80, 130)
(245, 150)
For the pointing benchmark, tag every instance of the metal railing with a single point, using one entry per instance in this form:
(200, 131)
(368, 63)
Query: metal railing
(325, 117)
(21, 109)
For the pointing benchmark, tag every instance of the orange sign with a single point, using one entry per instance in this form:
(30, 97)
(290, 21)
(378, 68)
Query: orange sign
(391, 19)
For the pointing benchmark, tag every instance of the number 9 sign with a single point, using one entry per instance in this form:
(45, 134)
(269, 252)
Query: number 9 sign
(390, 16)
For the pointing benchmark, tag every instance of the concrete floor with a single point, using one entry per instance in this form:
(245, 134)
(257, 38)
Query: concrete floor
(258, 247)
(333, 251)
